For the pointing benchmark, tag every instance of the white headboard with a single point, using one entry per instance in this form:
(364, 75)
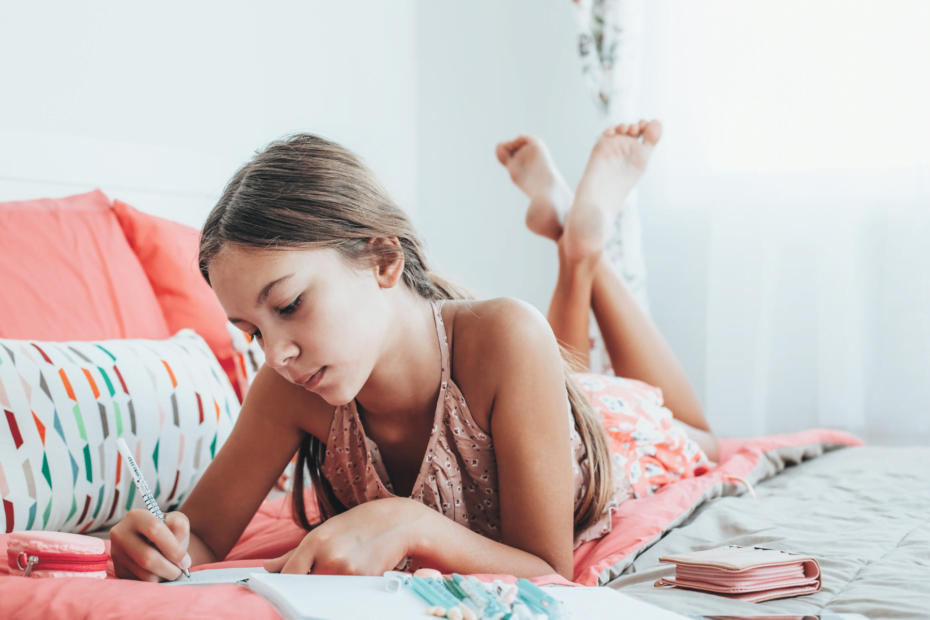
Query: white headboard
(172, 183)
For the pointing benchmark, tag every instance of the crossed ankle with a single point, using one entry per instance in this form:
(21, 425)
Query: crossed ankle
(582, 243)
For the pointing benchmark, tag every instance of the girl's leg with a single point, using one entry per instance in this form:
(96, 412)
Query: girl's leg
(637, 350)
(533, 171)
(571, 306)
(635, 346)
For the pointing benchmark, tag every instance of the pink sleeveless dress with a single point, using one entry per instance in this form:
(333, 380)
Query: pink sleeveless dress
(458, 475)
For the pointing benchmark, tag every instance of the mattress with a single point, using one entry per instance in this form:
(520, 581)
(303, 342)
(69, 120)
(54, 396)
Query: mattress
(863, 512)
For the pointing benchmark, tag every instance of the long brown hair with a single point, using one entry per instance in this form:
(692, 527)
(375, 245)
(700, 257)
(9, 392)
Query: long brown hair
(304, 191)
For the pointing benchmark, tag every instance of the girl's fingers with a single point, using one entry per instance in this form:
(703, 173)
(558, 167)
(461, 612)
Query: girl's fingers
(179, 525)
(150, 559)
(275, 565)
(140, 573)
(139, 544)
(145, 544)
(121, 564)
(167, 546)
(300, 561)
(126, 567)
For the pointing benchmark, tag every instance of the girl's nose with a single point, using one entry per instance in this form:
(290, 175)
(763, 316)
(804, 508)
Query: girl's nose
(279, 351)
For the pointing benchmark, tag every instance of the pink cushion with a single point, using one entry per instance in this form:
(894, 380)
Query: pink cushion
(67, 273)
(168, 253)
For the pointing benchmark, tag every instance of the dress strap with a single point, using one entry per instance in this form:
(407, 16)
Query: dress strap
(443, 342)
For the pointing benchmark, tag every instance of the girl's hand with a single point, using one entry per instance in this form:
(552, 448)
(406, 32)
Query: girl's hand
(144, 548)
(366, 540)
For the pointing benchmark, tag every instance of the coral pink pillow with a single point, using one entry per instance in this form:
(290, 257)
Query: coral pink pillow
(67, 273)
(168, 253)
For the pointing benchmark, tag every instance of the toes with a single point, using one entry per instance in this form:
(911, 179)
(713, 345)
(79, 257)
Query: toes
(503, 153)
(652, 132)
(632, 129)
(518, 143)
(506, 150)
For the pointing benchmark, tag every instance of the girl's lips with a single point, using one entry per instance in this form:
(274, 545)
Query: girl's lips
(315, 379)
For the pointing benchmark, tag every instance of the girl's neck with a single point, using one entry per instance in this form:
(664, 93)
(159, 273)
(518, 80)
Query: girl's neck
(405, 381)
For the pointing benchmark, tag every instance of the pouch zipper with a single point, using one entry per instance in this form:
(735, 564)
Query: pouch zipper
(44, 560)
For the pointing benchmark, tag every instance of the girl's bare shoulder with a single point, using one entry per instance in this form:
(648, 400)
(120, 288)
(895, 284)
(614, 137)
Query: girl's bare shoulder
(492, 342)
(500, 321)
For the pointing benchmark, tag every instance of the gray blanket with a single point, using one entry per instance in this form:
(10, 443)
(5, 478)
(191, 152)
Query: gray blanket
(864, 513)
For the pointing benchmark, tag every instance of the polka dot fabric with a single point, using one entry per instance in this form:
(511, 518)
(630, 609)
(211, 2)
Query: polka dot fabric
(458, 476)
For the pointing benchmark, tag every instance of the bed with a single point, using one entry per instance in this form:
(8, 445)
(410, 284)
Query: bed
(861, 511)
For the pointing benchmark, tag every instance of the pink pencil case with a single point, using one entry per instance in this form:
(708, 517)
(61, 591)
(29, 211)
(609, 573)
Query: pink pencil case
(745, 573)
(56, 554)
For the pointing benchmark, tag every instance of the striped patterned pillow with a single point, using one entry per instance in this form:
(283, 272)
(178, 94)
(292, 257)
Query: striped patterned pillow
(65, 404)
(247, 356)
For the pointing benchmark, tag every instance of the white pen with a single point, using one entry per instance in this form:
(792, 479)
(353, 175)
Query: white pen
(150, 502)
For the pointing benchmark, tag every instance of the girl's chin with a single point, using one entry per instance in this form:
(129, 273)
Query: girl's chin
(333, 395)
(337, 389)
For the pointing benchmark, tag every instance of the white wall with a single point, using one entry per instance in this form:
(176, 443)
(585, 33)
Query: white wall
(158, 103)
(488, 71)
(509, 68)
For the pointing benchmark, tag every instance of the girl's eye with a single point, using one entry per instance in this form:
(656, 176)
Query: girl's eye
(292, 307)
(256, 334)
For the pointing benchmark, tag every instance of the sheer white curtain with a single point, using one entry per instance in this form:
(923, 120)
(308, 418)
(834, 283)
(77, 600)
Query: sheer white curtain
(797, 137)
(611, 44)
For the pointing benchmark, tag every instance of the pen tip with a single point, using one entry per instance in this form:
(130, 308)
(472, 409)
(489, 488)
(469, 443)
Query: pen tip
(186, 572)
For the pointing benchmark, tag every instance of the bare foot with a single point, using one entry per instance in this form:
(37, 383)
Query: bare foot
(617, 162)
(532, 169)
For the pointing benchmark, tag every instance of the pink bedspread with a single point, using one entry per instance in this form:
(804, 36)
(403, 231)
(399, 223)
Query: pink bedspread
(272, 533)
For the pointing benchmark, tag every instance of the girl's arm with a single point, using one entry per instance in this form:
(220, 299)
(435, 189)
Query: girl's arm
(506, 355)
(443, 544)
(266, 435)
(374, 536)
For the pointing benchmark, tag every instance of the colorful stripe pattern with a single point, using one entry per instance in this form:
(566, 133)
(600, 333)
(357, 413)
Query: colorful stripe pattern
(247, 355)
(65, 404)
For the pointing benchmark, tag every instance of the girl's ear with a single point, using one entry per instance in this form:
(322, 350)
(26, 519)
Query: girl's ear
(389, 269)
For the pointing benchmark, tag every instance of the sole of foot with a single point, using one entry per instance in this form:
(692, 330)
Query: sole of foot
(618, 160)
(532, 170)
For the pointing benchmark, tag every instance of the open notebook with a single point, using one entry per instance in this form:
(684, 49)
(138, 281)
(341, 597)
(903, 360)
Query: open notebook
(326, 597)
(213, 576)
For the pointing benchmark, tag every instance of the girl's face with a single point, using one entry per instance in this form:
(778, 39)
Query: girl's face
(320, 322)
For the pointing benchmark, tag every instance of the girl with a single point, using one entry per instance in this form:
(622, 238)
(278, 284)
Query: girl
(394, 384)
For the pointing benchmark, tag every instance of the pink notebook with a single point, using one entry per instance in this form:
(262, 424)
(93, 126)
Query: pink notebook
(745, 573)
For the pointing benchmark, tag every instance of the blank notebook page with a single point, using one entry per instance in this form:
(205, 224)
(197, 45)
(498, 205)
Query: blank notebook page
(332, 597)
